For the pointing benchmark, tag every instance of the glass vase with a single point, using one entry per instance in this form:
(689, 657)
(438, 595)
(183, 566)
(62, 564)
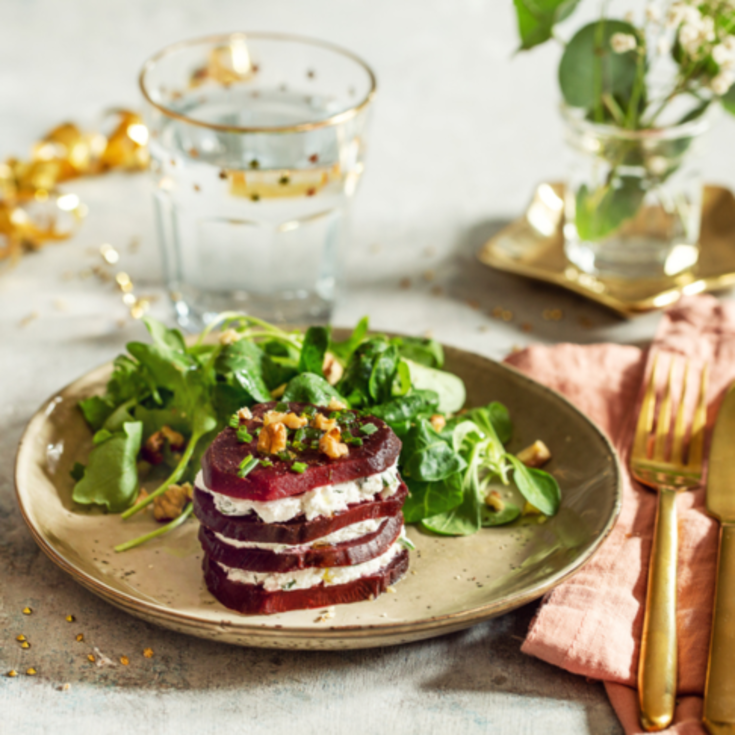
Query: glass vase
(633, 198)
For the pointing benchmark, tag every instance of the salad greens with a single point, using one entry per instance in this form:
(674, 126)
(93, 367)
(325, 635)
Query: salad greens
(166, 387)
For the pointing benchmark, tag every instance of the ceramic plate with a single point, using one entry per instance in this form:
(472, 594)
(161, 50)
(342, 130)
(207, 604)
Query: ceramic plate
(453, 582)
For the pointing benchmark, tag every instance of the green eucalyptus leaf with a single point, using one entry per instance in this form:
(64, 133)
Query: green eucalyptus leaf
(728, 100)
(538, 487)
(599, 212)
(589, 68)
(537, 18)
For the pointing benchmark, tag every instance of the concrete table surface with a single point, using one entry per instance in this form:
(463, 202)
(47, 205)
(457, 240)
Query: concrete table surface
(462, 132)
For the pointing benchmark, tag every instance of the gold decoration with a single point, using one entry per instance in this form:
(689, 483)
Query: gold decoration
(33, 212)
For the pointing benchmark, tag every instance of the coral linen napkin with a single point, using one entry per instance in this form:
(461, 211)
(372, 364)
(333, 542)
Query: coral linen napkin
(591, 624)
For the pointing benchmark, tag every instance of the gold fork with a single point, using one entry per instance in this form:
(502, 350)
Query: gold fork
(657, 666)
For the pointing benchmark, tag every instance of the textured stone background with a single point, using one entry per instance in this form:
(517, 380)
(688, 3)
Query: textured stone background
(462, 132)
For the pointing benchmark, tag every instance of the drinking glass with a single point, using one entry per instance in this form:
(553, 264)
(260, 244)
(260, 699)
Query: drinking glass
(257, 143)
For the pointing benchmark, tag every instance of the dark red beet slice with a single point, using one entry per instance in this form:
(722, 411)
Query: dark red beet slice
(222, 459)
(251, 599)
(346, 554)
(297, 530)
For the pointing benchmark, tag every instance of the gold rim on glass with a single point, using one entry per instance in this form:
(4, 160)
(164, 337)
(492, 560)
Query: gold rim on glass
(335, 119)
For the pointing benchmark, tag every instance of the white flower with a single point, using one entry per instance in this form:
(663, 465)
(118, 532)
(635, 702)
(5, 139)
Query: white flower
(622, 42)
(681, 13)
(722, 56)
(629, 17)
(658, 165)
(722, 82)
(653, 13)
(694, 33)
(663, 46)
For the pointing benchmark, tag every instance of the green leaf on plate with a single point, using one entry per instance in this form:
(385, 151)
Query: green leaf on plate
(538, 487)
(428, 499)
(490, 517)
(310, 388)
(111, 476)
(449, 387)
(316, 341)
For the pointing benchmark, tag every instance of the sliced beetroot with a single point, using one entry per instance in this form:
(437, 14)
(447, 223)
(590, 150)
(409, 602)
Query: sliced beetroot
(297, 530)
(220, 463)
(252, 599)
(346, 554)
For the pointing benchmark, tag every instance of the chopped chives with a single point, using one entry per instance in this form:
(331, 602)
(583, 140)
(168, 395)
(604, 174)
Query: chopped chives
(234, 421)
(299, 468)
(281, 407)
(243, 435)
(247, 466)
(368, 429)
(266, 463)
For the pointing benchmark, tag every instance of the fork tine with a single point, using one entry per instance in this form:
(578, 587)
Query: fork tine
(696, 443)
(645, 417)
(680, 425)
(663, 424)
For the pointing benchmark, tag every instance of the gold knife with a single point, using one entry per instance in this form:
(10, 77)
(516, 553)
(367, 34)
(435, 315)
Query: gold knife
(719, 689)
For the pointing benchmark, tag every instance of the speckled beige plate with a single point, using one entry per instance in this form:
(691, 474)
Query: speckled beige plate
(453, 582)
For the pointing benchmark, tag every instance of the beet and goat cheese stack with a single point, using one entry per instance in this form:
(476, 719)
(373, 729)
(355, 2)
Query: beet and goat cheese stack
(300, 507)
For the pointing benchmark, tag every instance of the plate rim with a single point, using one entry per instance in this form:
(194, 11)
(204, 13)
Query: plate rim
(264, 631)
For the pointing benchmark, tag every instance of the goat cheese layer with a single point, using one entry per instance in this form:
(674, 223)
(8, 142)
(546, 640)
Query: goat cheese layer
(348, 533)
(321, 501)
(314, 576)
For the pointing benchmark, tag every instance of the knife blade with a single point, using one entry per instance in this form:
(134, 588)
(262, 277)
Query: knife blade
(719, 690)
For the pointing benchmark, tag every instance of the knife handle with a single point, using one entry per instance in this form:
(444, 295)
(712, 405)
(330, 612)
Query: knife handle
(658, 658)
(719, 689)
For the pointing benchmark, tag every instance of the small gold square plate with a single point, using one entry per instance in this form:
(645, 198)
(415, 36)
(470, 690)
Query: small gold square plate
(533, 246)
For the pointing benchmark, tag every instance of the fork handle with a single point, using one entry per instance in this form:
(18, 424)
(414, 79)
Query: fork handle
(658, 658)
(719, 691)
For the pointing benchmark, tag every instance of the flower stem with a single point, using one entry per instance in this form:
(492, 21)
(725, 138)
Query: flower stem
(175, 523)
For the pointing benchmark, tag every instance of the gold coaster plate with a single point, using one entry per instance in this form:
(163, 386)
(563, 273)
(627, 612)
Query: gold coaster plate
(533, 246)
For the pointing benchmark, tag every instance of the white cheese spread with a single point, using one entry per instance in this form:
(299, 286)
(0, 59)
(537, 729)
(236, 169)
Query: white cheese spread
(321, 501)
(348, 533)
(313, 576)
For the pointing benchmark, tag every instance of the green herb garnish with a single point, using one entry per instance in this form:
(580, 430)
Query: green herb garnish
(247, 466)
(368, 429)
(299, 468)
(234, 421)
(281, 407)
(243, 435)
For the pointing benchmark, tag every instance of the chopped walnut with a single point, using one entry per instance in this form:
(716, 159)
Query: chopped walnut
(171, 504)
(321, 422)
(331, 445)
(153, 447)
(244, 414)
(536, 455)
(336, 405)
(332, 369)
(291, 420)
(494, 501)
(272, 439)
(142, 495)
(438, 421)
(175, 439)
(228, 337)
